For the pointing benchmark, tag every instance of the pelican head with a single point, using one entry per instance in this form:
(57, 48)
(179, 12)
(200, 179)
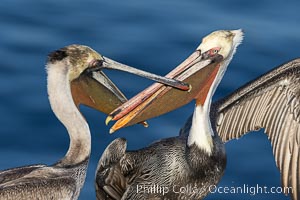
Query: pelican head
(223, 42)
(77, 58)
(78, 66)
(203, 70)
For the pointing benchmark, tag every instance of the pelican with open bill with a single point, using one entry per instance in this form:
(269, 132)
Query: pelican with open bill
(197, 156)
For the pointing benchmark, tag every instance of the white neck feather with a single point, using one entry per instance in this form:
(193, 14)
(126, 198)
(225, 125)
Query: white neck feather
(201, 131)
(63, 106)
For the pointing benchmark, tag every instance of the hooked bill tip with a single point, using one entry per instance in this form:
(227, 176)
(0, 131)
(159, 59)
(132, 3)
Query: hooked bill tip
(145, 124)
(190, 88)
(184, 86)
(111, 131)
(108, 119)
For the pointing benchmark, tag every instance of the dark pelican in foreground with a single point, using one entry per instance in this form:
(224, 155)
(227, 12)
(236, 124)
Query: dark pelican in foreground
(74, 77)
(196, 158)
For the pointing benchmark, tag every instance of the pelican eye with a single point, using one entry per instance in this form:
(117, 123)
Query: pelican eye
(215, 50)
(95, 65)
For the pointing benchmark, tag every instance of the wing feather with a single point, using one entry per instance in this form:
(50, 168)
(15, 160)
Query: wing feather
(271, 102)
(110, 181)
(16, 173)
(38, 188)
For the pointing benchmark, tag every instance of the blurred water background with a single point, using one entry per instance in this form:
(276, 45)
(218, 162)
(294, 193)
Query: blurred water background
(151, 35)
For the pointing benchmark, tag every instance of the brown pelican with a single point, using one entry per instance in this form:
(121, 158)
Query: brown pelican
(196, 158)
(74, 74)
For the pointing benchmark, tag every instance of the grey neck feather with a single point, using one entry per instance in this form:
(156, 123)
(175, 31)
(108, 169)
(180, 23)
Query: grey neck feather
(63, 106)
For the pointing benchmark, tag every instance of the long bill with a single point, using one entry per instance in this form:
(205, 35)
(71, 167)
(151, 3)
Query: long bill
(197, 70)
(111, 64)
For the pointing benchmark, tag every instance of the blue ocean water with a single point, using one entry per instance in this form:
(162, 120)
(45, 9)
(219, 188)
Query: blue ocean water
(151, 35)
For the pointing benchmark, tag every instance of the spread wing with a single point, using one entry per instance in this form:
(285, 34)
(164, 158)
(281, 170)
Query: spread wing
(272, 102)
